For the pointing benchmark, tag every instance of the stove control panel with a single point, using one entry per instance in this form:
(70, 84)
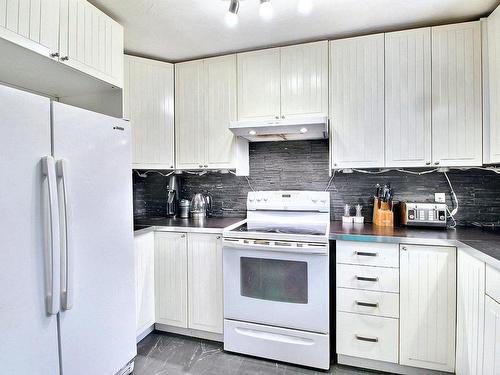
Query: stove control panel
(289, 201)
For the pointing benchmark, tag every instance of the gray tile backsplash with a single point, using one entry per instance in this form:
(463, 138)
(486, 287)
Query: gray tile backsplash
(303, 165)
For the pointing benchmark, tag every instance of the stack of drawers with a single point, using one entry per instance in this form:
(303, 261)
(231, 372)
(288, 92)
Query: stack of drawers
(368, 300)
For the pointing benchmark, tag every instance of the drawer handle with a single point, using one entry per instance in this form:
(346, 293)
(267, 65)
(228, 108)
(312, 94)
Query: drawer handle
(369, 339)
(366, 304)
(371, 279)
(365, 254)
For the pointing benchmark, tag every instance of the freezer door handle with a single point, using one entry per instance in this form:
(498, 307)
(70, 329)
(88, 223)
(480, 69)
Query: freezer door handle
(66, 247)
(54, 253)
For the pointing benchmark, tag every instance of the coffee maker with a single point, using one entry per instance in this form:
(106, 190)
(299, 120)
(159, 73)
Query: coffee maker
(173, 195)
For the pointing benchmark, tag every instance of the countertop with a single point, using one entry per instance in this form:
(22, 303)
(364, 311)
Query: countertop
(481, 244)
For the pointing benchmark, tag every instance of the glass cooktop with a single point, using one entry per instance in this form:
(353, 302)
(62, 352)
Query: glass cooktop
(317, 231)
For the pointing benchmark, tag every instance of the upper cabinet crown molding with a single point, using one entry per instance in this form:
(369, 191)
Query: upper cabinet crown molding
(457, 95)
(408, 107)
(284, 82)
(148, 102)
(357, 102)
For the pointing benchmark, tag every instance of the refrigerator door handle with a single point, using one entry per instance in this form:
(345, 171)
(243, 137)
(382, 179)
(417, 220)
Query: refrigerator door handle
(54, 253)
(66, 248)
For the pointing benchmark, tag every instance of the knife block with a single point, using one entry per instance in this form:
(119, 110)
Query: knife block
(383, 216)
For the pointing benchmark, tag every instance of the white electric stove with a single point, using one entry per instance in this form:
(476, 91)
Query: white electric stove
(276, 278)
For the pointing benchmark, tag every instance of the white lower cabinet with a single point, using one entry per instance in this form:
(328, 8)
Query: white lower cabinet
(470, 314)
(144, 247)
(171, 278)
(428, 307)
(205, 282)
(491, 337)
(188, 281)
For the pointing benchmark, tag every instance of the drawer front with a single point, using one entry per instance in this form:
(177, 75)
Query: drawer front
(370, 337)
(493, 283)
(368, 302)
(368, 253)
(368, 278)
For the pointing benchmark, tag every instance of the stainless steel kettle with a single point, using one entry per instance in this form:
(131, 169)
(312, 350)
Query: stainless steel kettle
(198, 207)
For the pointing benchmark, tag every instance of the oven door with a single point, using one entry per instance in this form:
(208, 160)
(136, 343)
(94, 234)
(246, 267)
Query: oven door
(278, 287)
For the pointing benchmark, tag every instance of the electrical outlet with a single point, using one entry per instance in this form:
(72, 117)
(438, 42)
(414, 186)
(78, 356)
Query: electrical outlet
(440, 197)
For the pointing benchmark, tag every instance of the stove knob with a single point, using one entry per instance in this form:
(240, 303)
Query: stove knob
(251, 199)
(259, 199)
(314, 200)
(265, 199)
(323, 201)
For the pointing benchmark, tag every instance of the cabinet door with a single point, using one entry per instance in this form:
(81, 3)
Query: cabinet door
(33, 24)
(91, 41)
(408, 98)
(190, 121)
(456, 95)
(492, 128)
(470, 314)
(149, 105)
(491, 337)
(259, 84)
(428, 307)
(304, 79)
(144, 247)
(221, 110)
(171, 278)
(205, 282)
(357, 102)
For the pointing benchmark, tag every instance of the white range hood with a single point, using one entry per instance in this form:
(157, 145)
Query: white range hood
(292, 129)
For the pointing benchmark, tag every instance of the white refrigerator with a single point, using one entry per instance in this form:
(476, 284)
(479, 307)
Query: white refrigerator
(67, 304)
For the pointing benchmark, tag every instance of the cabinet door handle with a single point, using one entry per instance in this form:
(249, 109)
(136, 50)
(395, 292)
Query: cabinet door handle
(371, 279)
(404, 248)
(427, 163)
(366, 304)
(55, 54)
(363, 338)
(200, 166)
(277, 117)
(437, 163)
(206, 166)
(64, 58)
(218, 237)
(283, 117)
(183, 236)
(365, 254)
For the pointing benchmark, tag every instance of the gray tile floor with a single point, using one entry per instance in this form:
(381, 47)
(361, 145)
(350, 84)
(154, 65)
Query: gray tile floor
(166, 354)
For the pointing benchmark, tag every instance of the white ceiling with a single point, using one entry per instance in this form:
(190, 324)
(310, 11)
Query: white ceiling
(175, 30)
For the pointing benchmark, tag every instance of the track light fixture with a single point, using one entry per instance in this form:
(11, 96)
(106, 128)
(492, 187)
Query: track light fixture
(232, 14)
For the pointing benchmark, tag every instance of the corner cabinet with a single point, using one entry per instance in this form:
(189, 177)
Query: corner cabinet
(148, 102)
(457, 95)
(188, 282)
(280, 83)
(408, 98)
(428, 307)
(492, 99)
(357, 102)
(90, 41)
(491, 337)
(205, 104)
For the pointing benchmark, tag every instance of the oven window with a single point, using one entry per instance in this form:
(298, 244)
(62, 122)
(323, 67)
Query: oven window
(274, 280)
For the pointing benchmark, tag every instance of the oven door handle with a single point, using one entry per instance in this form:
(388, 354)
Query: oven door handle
(236, 244)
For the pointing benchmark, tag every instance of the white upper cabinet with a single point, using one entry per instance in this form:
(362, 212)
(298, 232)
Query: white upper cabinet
(456, 95)
(33, 24)
(91, 41)
(304, 79)
(492, 127)
(357, 102)
(205, 282)
(408, 98)
(149, 105)
(259, 84)
(221, 110)
(428, 307)
(190, 121)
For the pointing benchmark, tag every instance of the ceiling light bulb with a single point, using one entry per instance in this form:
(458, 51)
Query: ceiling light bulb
(252, 132)
(231, 17)
(305, 6)
(303, 130)
(266, 10)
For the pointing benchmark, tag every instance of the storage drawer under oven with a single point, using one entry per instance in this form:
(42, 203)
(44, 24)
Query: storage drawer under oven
(368, 278)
